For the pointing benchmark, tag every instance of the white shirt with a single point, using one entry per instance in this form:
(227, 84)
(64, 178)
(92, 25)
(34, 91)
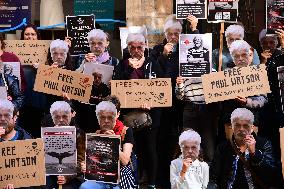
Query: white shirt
(196, 177)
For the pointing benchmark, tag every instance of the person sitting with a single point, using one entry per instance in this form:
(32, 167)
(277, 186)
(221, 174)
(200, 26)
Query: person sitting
(244, 161)
(232, 33)
(187, 171)
(106, 113)
(61, 115)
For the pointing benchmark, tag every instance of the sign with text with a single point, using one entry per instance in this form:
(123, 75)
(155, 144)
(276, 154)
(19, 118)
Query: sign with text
(60, 150)
(132, 93)
(102, 158)
(195, 54)
(22, 163)
(29, 51)
(78, 28)
(222, 11)
(196, 8)
(275, 14)
(13, 12)
(102, 71)
(56, 81)
(237, 81)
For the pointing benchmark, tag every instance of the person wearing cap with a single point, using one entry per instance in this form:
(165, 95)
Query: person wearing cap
(232, 33)
(187, 171)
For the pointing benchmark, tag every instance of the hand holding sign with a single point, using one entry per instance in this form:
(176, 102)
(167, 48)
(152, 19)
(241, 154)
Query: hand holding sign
(90, 57)
(168, 49)
(2, 131)
(242, 100)
(9, 186)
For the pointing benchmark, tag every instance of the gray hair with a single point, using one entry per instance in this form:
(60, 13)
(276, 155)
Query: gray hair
(239, 45)
(235, 29)
(7, 105)
(263, 34)
(59, 44)
(243, 114)
(60, 106)
(135, 37)
(173, 23)
(97, 34)
(189, 135)
(107, 107)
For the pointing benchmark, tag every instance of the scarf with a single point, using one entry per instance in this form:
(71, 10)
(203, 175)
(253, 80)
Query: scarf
(103, 58)
(118, 127)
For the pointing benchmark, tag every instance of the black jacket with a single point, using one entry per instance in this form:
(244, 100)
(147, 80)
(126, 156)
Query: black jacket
(262, 163)
(13, 90)
(22, 134)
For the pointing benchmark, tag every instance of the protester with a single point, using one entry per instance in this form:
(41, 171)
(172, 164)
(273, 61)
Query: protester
(187, 171)
(248, 161)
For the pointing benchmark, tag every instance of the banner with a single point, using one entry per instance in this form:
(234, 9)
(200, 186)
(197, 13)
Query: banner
(237, 81)
(13, 12)
(275, 14)
(100, 70)
(78, 28)
(132, 93)
(60, 150)
(197, 8)
(29, 51)
(195, 54)
(102, 158)
(22, 163)
(56, 81)
(222, 11)
(281, 130)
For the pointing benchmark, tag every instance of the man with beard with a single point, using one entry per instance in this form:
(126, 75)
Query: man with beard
(245, 161)
(198, 53)
(8, 129)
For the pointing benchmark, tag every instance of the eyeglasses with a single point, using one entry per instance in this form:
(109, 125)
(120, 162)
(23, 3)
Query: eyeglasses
(6, 116)
(231, 40)
(186, 148)
(238, 126)
(176, 34)
(59, 54)
(109, 118)
(132, 48)
(238, 56)
(92, 43)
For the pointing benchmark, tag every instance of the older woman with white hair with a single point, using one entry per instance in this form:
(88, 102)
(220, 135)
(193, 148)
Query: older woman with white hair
(232, 33)
(187, 172)
(99, 44)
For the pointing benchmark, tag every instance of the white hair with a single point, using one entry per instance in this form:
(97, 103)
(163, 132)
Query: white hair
(97, 34)
(243, 114)
(263, 34)
(189, 135)
(59, 44)
(239, 45)
(172, 22)
(107, 107)
(135, 37)
(60, 106)
(7, 105)
(235, 29)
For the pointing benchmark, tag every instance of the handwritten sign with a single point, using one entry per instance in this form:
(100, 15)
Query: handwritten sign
(102, 158)
(195, 54)
(196, 8)
(132, 93)
(29, 51)
(56, 81)
(106, 71)
(78, 28)
(22, 163)
(60, 150)
(238, 81)
(222, 11)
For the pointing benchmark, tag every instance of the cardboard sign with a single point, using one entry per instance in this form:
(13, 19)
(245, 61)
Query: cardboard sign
(102, 158)
(56, 81)
(281, 130)
(195, 54)
(238, 81)
(3, 93)
(78, 28)
(60, 150)
(275, 14)
(222, 11)
(29, 51)
(197, 8)
(132, 93)
(105, 70)
(22, 163)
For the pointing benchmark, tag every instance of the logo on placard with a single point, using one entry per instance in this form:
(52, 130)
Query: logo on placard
(185, 42)
(84, 82)
(60, 169)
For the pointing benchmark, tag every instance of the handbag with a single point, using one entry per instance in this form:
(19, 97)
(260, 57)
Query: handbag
(137, 119)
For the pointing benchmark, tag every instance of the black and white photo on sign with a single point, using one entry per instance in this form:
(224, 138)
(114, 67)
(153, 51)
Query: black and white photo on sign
(12, 69)
(78, 28)
(100, 71)
(226, 10)
(196, 8)
(102, 158)
(60, 150)
(280, 71)
(195, 54)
